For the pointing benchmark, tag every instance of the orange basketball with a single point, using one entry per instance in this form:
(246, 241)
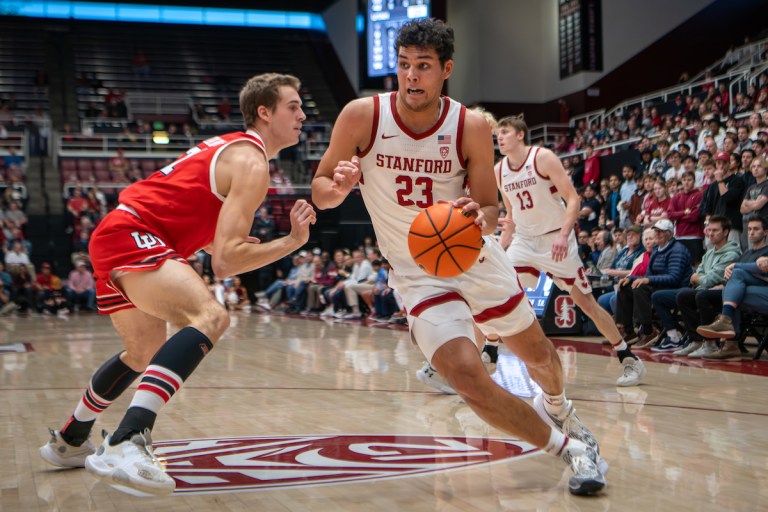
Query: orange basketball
(444, 241)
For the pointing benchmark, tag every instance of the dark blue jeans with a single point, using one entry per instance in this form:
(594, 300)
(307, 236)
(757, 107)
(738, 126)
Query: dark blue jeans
(736, 286)
(664, 301)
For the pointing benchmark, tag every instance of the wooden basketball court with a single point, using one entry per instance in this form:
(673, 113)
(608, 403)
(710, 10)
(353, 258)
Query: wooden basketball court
(296, 414)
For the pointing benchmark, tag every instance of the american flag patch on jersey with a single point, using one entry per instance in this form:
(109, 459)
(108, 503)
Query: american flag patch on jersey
(443, 139)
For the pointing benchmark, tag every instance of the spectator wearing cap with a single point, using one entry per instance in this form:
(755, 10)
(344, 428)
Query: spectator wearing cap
(724, 195)
(684, 151)
(684, 212)
(708, 275)
(669, 268)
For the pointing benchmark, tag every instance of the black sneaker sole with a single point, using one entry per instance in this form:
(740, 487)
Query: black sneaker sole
(587, 488)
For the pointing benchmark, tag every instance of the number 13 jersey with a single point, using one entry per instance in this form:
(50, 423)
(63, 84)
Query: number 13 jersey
(537, 207)
(404, 172)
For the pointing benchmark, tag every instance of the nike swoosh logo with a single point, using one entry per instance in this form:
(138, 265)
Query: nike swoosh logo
(505, 175)
(388, 136)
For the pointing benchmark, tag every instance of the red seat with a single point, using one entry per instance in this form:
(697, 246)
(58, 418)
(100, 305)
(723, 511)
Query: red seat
(85, 175)
(100, 165)
(85, 164)
(102, 175)
(67, 164)
(69, 175)
(148, 166)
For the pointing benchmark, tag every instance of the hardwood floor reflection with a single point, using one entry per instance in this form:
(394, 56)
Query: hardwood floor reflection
(296, 414)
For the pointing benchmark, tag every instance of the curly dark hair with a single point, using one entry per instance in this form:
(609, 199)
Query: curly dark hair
(427, 33)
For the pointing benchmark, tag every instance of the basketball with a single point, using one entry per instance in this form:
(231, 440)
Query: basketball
(444, 241)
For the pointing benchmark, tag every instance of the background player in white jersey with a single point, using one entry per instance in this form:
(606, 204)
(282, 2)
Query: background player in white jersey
(407, 150)
(534, 185)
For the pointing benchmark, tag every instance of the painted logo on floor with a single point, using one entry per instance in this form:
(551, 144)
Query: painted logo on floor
(261, 463)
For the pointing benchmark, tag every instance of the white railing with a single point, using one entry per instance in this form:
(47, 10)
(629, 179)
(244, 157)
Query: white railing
(15, 140)
(744, 55)
(613, 147)
(739, 73)
(547, 131)
(137, 146)
(142, 103)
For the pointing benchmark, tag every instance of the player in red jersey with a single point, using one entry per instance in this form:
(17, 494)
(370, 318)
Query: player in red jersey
(205, 199)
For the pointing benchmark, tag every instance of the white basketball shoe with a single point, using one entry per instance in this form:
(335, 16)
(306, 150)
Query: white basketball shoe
(571, 426)
(131, 464)
(57, 452)
(587, 479)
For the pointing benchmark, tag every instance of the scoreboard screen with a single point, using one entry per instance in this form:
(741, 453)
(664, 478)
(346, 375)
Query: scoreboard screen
(383, 18)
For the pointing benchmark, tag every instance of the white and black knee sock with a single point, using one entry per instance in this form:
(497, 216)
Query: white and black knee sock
(107, 384)
(171, 366)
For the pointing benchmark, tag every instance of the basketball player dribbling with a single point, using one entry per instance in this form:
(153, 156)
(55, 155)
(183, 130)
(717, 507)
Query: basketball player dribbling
(534, 185)
(205, 199)
(407, 150)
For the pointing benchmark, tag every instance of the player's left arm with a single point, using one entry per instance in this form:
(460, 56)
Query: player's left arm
(244, 173)
(477, 147)
(549, 166)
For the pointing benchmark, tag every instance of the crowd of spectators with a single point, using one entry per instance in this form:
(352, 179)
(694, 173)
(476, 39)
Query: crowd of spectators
(701, 198)
(690, 113)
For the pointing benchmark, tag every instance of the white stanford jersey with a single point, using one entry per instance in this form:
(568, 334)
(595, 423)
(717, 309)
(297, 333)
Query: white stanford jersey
(537, 207)
(404, 173)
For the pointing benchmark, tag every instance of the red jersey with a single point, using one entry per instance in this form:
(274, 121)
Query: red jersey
(180, 201)
(654, 208)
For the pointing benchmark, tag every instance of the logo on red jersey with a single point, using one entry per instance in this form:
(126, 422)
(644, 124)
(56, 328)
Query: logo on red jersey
(261, 463)
(146, 240)
(565, 311)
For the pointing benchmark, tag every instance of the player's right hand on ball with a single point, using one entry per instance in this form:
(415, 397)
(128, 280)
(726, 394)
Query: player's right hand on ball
(302, 216)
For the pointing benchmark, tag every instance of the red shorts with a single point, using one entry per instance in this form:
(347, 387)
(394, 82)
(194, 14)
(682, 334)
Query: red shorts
(123, 242)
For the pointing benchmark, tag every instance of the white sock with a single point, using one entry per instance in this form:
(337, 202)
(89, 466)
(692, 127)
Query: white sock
(556, 405)
(674, 335)
(493, 343)
(557, 442)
